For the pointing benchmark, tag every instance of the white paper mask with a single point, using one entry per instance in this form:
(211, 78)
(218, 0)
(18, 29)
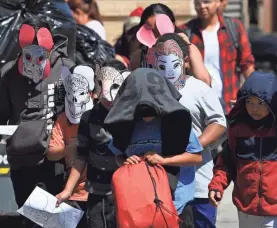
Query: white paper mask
(78, 85)
(169, 60)
(34, 62)
(108, 82)
(170, 66)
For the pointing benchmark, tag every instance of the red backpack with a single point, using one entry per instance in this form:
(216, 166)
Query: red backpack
(143, 198)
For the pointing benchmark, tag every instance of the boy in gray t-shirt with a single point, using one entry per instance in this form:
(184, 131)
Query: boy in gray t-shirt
(209, 123)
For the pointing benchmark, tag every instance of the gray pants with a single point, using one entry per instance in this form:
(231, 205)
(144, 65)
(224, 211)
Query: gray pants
(100, 212)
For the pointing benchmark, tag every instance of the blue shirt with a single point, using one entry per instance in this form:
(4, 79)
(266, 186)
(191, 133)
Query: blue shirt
(186, 184)
(146, 137)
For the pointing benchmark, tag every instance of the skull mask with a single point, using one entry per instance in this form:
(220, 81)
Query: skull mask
(108, 82)
(34, 62)
(78, 86)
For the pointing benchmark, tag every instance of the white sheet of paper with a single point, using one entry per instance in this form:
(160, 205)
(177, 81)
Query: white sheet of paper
(41, 208)
(7, 129)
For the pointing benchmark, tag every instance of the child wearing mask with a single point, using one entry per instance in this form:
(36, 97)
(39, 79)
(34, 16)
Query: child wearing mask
(150, 28)
(208, 121)
(93, 152)
(78, 84)
(32, 97)
(148, 121)
(249, 158)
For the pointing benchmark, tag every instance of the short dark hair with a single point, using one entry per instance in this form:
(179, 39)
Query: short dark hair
(179, 40)
(90, 7)
(155, 9)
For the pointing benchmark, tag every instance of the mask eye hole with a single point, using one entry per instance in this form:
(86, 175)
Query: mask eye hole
(115, 86)
(28, 57)
(176, 65)
(161, 67)
(41, 58)
(100, 82)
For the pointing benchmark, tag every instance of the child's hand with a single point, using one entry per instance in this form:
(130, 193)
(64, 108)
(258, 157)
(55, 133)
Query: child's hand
(153, 158)
(63, 196)
(134, 159)
(215, 197)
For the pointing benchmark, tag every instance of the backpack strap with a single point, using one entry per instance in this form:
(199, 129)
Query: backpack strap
(231, 30)
(190, 29)
(188, 32)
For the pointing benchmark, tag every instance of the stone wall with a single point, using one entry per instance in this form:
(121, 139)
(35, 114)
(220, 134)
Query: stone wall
(114, 12)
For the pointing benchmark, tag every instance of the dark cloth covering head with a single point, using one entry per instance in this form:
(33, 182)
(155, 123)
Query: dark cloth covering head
(158, 97)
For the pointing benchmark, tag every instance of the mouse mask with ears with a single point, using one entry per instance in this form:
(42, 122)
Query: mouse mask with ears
(164, 25)
(78, 86)
(34, 61)
(107, 83)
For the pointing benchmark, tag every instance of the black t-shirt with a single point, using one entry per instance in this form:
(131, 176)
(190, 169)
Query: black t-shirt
(92, 142)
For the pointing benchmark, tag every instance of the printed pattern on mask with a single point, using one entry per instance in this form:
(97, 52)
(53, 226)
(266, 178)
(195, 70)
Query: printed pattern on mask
(78, 86)
(77, 94)
(108, 82)
(34, 60)
(169, 61)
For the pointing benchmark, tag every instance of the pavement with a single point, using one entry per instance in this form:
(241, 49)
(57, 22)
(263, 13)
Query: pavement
(226, 218)
(7, 201)
(227, 213)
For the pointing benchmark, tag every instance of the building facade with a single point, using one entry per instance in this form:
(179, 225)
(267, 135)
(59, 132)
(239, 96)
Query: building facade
(114, 12)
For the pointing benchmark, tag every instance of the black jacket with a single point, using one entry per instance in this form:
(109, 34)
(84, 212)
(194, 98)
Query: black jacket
(25, 103)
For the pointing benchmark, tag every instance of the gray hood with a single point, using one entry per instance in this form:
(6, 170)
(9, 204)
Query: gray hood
(60, 48)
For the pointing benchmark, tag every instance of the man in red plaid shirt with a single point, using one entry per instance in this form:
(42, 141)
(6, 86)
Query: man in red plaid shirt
(220, 55)
(210, 33)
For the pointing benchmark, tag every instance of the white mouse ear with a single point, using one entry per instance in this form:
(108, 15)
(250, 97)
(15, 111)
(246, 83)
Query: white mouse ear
(65, 73)
(88, 73)
(125, 74)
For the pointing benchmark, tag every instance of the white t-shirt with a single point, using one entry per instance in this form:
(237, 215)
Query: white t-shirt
(212, 61)
(205, 109)
(98, 28)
